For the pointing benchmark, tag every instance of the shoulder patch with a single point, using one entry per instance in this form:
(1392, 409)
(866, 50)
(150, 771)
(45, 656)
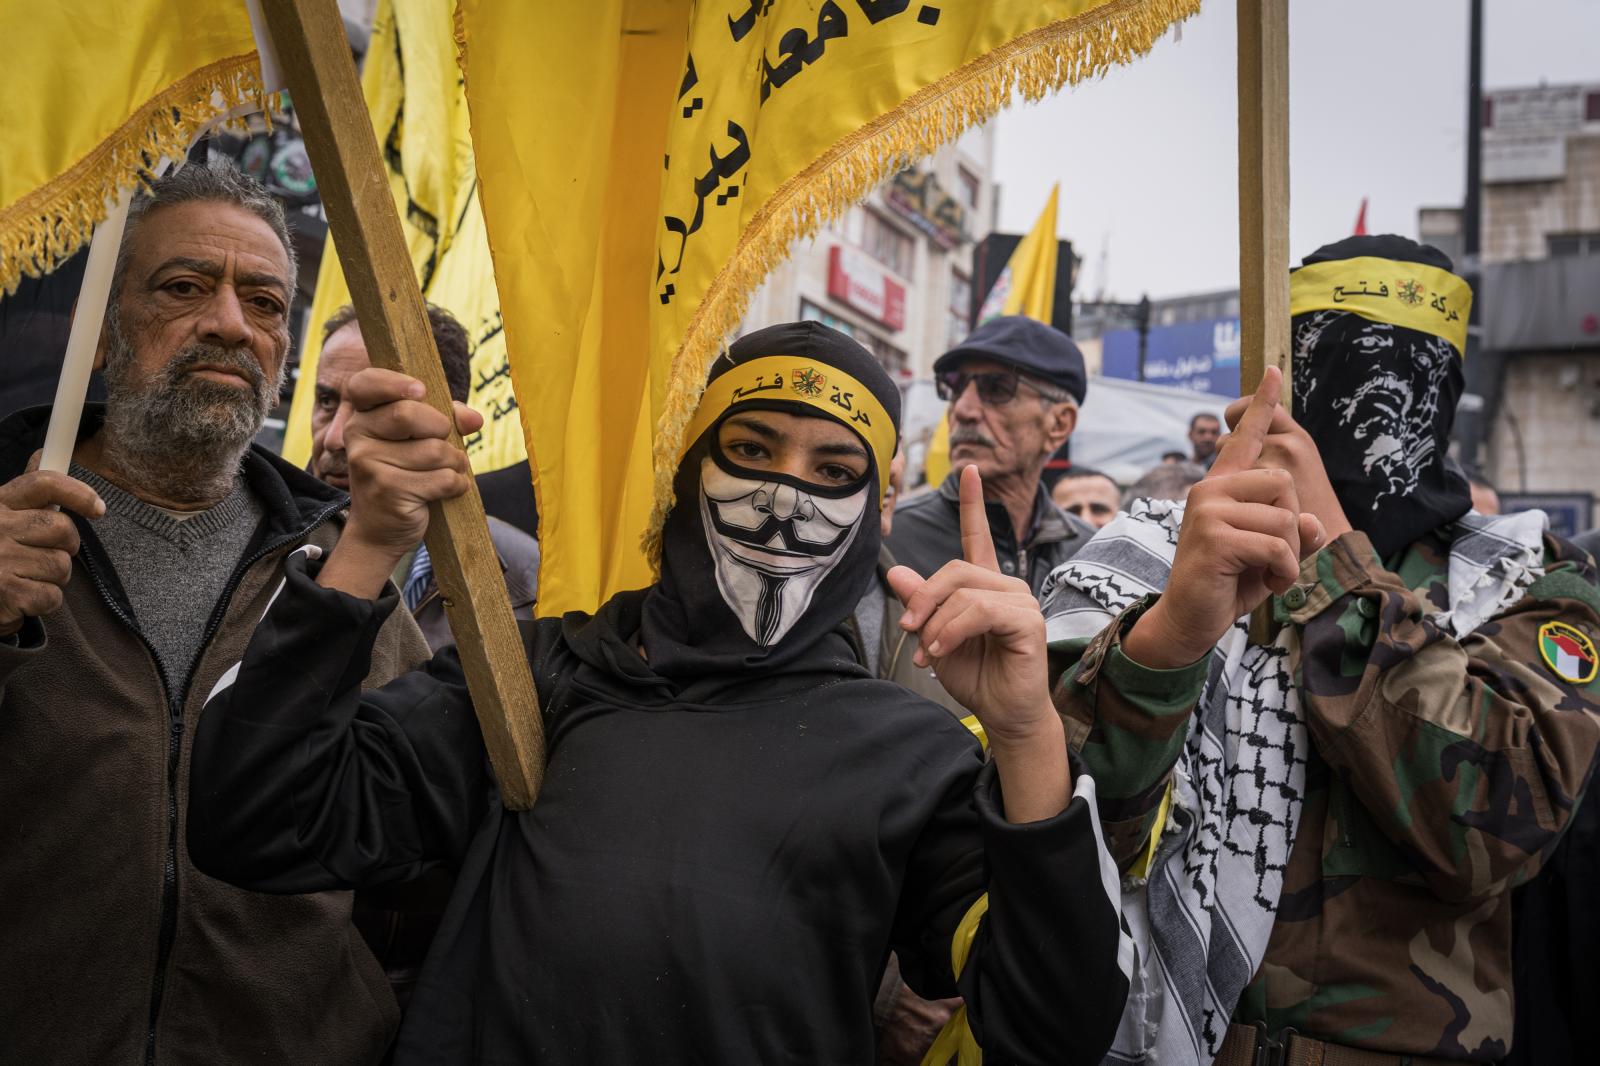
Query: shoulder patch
(1568, 652)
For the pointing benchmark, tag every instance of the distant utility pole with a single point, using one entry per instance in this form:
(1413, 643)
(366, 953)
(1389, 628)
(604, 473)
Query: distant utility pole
(1472, 210)
(1477, 374)
(1142, 316)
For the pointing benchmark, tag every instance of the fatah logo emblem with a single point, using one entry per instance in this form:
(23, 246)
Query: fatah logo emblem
(1568, 652)
(808, 382)
(1410, 293)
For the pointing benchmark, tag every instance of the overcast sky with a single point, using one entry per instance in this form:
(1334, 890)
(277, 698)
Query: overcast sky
(1377, 108)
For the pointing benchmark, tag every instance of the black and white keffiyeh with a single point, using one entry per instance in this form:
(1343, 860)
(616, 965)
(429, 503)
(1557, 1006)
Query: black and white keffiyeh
(1201, 919)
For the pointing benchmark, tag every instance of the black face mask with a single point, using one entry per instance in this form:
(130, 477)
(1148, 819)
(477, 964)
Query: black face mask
(1379, 401)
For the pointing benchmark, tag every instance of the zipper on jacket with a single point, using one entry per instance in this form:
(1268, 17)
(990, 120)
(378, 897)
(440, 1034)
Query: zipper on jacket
(168, 929)
(168, 926)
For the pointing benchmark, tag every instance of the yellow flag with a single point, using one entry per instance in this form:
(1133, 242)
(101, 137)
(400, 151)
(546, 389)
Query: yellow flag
(936, 463)
(645, 163)
(1027, 285)
(412, 87)
(95, 93)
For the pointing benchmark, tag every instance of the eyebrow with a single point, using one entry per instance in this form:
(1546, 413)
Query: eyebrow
(850, 450)
(212, 269)
(766, 432)
(756, 426)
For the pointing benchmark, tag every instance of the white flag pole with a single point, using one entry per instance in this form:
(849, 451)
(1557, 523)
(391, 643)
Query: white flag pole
(271, 71)
(73, 386)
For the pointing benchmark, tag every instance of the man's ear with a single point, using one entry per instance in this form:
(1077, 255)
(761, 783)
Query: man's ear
(1060, 421)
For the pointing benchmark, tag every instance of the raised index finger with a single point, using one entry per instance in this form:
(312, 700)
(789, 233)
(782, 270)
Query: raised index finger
(375, 386)
(1243, 446)
(977, 545)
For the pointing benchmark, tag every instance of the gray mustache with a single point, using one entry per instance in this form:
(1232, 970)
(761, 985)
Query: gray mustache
(232, 358)
(969, 436)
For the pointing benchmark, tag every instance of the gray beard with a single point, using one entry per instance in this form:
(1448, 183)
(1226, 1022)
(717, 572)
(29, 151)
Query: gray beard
(177, 435)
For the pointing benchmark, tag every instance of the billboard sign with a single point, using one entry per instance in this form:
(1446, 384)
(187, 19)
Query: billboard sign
(1200, 356)
(856, 281)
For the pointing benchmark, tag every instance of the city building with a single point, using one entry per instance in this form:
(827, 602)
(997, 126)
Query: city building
(895, 272)
(1536, 390)
(1541, 173)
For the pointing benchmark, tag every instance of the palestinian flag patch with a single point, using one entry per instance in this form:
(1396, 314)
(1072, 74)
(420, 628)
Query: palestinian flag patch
(1568, 652)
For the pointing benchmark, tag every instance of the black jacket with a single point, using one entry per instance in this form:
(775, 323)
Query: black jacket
(703, 879)
(113, 947)
(927, 534)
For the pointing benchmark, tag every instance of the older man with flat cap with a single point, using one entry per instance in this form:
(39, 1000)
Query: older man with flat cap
(1014, 387)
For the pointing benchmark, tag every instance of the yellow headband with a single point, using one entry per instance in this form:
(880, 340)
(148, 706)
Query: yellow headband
(1412, 295)
(788, 377)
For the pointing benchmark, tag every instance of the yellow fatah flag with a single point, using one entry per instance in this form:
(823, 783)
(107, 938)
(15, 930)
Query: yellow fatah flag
(645, 164)
(412, 86)
(95, 94)
(1026, 286)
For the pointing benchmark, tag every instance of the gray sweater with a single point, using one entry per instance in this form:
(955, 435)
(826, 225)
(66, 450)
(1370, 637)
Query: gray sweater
(173, 569)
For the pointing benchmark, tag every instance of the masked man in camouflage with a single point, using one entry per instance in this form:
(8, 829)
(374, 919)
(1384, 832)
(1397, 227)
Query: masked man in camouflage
(1321, 829)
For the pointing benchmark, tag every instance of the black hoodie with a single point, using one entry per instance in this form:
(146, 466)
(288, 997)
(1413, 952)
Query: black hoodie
(719, 862)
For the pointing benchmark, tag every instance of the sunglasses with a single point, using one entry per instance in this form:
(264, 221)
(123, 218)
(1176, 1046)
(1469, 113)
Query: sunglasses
(995, 387)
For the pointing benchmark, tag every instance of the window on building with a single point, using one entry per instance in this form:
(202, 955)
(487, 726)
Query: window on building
(1591, 107)
(885, 243)
(893, 359)
(969, 186)
(960, 307)
(1560, 245)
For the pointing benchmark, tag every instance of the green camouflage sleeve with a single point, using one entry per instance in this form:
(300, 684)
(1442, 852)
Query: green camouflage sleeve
(1128, 723)
(1464, 759)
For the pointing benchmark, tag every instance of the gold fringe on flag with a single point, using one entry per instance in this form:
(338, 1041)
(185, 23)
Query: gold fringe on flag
(1036, 63)
(47, 225)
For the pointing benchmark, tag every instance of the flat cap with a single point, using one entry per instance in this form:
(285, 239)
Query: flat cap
(1027, 344)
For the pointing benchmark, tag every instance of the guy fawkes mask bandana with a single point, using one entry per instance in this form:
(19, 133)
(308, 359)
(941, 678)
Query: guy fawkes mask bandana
(759, 569)
(774, 539)
(1379, 330)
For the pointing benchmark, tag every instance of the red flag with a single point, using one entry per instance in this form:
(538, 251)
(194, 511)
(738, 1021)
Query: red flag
(1361, 220)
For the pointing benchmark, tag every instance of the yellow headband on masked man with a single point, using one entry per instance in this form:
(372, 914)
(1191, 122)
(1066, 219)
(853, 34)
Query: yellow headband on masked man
(788, 377)
(1412, 295)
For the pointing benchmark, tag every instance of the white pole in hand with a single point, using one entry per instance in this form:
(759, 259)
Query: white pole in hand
(73, 386)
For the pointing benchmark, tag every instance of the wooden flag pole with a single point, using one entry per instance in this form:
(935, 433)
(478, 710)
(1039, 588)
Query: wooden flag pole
(1263, 207)
(314, 57)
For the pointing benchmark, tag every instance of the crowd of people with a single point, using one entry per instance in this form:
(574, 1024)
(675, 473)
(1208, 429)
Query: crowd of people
(1241, 763)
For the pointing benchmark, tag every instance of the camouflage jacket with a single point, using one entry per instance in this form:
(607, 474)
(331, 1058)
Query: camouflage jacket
(1442, 771)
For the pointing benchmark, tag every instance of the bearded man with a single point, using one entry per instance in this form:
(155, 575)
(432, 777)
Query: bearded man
(1327, 824)
(737, 822)
(119, 612)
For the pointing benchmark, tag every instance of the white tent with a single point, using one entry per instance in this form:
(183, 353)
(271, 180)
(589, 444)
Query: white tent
(1125, 426)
